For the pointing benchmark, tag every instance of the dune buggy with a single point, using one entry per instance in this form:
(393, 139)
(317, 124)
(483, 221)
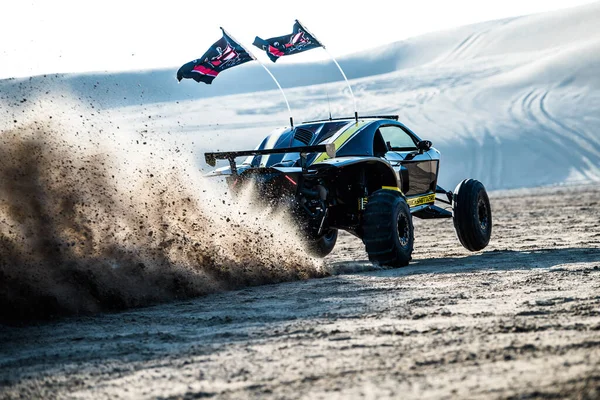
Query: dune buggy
(368, 176)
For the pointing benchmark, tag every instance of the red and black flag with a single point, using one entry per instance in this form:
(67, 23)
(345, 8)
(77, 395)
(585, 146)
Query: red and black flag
(223, 54)
(298, 41)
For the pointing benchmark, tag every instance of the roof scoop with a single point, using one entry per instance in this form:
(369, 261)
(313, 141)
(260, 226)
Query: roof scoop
(303, 135)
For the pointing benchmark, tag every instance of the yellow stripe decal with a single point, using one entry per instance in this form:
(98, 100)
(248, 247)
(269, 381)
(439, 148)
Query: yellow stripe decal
(341, 140)
(417, 201)
(395, 188)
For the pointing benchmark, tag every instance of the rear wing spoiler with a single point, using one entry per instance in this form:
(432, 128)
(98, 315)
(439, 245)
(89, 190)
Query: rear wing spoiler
(211, 158)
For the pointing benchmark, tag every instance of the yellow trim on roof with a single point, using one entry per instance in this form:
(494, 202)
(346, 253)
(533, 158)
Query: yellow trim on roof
(341, 140)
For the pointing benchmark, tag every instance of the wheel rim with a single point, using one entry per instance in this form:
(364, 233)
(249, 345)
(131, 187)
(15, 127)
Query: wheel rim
(330, 235)
(482, 214)
(403, 230)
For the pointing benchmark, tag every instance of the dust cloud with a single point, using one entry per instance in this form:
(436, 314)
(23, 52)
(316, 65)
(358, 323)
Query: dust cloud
(94, 217)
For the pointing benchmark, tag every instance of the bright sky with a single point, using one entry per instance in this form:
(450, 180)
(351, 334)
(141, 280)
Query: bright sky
(46, 36)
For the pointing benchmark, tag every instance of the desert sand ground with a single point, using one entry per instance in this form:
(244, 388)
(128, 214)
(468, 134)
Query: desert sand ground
(518, 320)
(99, 184)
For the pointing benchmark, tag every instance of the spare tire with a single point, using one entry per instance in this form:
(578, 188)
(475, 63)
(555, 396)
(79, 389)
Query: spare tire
(324, 245)
(472, 214)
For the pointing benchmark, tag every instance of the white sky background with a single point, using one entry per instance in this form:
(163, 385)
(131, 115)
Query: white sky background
(47, 36)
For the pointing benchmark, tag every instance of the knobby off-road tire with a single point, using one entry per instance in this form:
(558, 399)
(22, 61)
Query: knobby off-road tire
(324, 245)
(472, 214)
(388, 229)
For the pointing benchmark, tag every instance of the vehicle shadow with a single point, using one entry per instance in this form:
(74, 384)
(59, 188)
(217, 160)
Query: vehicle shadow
(504, 260)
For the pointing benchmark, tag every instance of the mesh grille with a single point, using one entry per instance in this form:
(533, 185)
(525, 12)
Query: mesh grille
(303, 135)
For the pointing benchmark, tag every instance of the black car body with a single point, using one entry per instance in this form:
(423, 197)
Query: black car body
(327, 171)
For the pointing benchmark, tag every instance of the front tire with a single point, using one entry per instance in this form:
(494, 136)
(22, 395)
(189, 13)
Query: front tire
(388, 231)
(472, 214)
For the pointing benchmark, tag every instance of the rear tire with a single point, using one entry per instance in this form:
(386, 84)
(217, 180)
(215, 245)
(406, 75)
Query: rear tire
(324, 245)
(472, 214)
(388, 231)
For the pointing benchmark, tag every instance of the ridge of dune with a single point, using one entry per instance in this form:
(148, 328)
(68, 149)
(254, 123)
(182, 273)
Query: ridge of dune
(497, 98)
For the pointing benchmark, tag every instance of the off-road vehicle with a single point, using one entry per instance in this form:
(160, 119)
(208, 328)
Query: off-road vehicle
(369, 176)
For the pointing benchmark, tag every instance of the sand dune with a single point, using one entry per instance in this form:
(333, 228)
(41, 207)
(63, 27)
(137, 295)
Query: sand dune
(102, 207)
(513, 103)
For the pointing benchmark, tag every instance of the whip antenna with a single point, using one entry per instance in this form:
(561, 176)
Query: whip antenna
(338, 66)
(347, 83)
(329, 104)
(271, 75)
(279, 86)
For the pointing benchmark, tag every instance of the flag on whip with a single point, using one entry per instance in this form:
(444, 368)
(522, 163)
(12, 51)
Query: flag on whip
(296, 42)
(223, 54)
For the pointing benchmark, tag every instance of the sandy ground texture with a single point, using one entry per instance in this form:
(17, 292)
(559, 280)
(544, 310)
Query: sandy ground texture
(519, 320)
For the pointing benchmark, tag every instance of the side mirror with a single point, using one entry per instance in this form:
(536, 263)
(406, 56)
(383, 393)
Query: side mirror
(424, 145)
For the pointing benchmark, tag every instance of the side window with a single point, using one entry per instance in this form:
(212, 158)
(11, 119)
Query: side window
(398, 138)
